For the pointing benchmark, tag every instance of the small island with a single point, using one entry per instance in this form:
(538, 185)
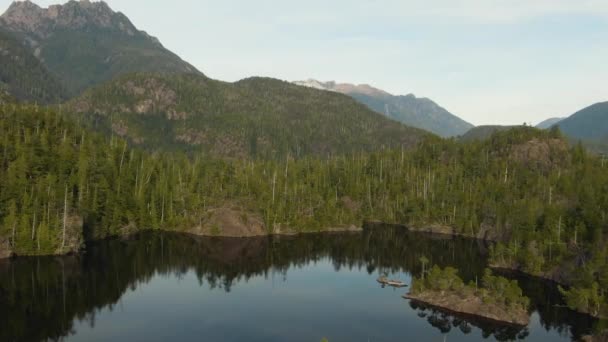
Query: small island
(497, 299)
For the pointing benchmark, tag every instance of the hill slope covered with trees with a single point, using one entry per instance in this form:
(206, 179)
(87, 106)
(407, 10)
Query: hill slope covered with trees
(541, 199)
(255, 117)
(23, 76)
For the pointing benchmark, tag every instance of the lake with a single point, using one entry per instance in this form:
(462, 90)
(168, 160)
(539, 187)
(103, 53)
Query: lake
(167, 286)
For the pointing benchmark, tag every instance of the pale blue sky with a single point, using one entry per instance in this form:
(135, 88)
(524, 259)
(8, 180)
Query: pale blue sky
(488, 61)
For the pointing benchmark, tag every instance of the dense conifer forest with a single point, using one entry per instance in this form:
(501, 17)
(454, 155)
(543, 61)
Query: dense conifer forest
(543, 201)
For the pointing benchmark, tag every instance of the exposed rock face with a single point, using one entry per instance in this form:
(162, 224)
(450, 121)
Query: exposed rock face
(541, 154)
(230, 222)
(27, 17)
(344, 88)
(84, 43)
(471, 306)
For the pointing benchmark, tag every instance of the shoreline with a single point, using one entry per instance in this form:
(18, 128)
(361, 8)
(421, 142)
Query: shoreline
(472, 306)
(7, 254)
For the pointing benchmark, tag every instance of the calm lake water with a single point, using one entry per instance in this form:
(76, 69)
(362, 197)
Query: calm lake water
(163, 286)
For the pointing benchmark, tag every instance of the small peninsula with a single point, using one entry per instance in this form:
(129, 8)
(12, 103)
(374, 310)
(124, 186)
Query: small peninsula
(497, 299)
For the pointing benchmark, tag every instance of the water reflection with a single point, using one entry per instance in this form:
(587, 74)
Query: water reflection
(444, 322)
(41, 298)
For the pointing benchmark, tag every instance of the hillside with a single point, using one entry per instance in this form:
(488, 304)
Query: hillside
(483, 132)
(422, 113)
(82, 179)
(23, 76)
(529, 191)
(259, 117)
(590, 123)
(84, 43)
(548, 123)
(5, 97)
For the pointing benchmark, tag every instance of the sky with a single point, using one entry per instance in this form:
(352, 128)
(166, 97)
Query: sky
(487, 61)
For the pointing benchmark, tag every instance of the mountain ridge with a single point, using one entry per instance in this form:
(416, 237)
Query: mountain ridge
(254, 117)
(417, 112)
(483, 132)
(85, 43)
(548, 123)
(589, 123)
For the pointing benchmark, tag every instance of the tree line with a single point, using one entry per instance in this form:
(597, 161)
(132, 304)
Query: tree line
(62, 184)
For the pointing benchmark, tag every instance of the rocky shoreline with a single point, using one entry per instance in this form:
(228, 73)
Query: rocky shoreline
(472, 305)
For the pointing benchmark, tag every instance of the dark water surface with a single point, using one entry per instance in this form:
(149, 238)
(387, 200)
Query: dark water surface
(163, 286)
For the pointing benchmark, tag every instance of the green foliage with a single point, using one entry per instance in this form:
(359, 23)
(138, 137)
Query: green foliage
(506, 292)
(494, 289)
(547, 202)
(588, 300)
(258, 117)
(482, 132)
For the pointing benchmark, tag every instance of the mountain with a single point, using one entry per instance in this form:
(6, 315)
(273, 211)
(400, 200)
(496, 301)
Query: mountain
(23, 76)
(85, 43)
(590, 123)
(410, 110)
(483, 132)
(548, 123)
(257, 117)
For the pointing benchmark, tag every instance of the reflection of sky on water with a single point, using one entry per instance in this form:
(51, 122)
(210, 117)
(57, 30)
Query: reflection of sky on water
(305, 304)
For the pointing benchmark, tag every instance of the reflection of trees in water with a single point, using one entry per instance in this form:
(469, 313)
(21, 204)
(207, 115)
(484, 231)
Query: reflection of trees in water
(548, 303)
(49, 293)
(444, 322)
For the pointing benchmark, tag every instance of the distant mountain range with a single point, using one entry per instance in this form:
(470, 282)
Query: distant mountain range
(548, 123)
(416, 112)
(124, 82)
(84, 43)
(590, 123)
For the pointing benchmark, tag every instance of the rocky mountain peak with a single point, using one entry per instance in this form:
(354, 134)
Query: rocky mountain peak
(364, 89)
(345, 88)
(29, 18)
(24, 14)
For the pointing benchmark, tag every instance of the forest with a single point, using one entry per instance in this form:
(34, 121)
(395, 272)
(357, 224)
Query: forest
(493, 289)
(542, 200)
